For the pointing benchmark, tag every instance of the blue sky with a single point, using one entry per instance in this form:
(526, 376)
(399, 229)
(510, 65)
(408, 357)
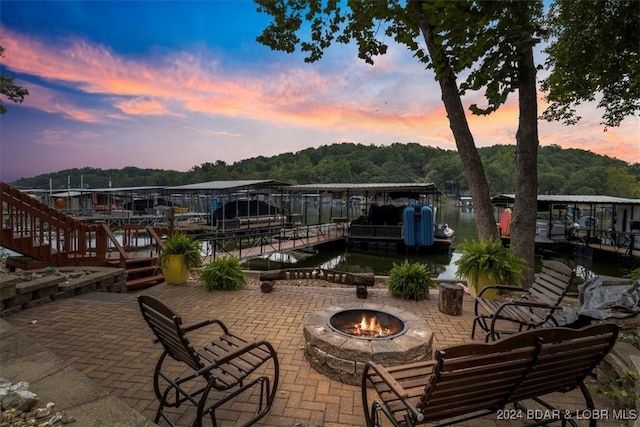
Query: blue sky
(172, 85)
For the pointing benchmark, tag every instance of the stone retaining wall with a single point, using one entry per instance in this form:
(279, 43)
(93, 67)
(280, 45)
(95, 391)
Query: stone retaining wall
(20, 291)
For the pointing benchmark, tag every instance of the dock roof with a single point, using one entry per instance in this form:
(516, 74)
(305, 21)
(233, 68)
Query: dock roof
(571, 198)
(229, 185)
(427, 188)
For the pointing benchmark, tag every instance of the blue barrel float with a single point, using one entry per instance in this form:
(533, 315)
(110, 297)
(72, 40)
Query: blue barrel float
(425, 236)
(409, 225)
(418, 229)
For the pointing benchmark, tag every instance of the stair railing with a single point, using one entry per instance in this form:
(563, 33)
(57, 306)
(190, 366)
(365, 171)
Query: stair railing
(37, 230)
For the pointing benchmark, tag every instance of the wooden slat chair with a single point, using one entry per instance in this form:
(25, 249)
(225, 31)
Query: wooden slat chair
(566, 358)
(534, 307)
(474, 380)
(225, 364)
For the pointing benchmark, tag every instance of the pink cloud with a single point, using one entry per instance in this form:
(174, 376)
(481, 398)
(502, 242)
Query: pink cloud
(353, 100)
(45, 99)
(143, 107)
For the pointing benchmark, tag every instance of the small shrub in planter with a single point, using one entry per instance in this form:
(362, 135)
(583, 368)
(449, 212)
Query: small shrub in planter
(410, 281)
(223, 274)
(488, 262)
(180, 254)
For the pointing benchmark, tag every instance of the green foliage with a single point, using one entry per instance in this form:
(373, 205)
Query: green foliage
(181, 244)
(630, 336)
(9, 89)
(601, 36)
(634, 274)
(622, 389)
(491, 258)
(410, 281)
(224, 274)
(564, 170)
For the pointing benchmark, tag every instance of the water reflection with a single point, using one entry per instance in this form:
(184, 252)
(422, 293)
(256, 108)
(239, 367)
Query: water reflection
(441, 265)
(461, 219)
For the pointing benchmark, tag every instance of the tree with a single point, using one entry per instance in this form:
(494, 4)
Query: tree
(9, 89)
(492, 42)
(593, 52)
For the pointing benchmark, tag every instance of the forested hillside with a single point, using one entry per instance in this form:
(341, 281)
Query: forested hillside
(561, 171)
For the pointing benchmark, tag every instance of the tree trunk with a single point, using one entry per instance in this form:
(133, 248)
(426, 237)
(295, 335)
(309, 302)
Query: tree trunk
(467, 150)
(523, 223)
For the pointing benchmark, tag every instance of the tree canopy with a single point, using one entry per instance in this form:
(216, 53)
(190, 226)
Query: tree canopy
(562, 171)
(594, 55)
(9, 89)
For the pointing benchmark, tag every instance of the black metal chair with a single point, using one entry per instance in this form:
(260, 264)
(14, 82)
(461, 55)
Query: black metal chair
(533, 308)
(227, 364)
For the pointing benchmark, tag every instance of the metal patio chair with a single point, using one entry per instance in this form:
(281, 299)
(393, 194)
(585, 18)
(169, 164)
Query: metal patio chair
(213, 375)
(473, 380)
(533, 308)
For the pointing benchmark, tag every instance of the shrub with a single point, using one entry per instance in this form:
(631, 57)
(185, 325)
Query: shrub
(410, 281)
(490, 257)
(633, 275)
(224, 274)
(181, 244)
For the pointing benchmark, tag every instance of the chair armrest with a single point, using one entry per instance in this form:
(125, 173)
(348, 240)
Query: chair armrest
(197, 325)
(395, 387)
(389, 380)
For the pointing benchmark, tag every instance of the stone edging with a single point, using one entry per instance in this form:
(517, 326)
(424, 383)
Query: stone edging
(29, 289)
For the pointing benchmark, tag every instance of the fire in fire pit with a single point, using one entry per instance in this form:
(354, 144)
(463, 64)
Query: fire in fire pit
(366, 324)
(333, 350)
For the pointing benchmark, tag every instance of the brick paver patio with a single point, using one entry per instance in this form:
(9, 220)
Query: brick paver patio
(104, 337)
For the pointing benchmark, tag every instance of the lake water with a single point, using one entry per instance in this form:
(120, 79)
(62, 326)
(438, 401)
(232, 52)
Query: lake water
(442, 266)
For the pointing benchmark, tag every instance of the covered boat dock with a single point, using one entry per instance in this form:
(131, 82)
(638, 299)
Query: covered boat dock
(605, 223)
(374, 212)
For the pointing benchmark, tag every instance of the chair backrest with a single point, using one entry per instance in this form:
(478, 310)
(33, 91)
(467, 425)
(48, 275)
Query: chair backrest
(167, 327)
(552, 283)
(566, 357)
(476, 377)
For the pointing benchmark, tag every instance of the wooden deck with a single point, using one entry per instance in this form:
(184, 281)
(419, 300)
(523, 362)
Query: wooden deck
(618, 250)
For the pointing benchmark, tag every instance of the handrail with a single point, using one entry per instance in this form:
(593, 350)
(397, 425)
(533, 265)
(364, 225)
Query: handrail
(118, 246)
(37, 230)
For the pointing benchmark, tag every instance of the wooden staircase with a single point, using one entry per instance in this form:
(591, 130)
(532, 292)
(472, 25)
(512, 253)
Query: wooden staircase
(48, 238)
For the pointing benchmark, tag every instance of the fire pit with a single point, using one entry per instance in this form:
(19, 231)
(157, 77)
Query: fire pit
(367, 324)
(339, 340)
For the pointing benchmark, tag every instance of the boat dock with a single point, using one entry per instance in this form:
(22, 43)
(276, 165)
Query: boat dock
(261, 243)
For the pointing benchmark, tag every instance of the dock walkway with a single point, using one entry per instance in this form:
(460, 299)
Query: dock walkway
(286, 239)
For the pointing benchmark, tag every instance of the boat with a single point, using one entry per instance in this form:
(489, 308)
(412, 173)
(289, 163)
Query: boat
(555, 230)
(443, 231)
(247, 213)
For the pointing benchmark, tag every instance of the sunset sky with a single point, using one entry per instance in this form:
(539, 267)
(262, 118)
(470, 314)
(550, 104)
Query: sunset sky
(172, 85)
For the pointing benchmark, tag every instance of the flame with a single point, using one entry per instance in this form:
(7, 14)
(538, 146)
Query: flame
(369, 327)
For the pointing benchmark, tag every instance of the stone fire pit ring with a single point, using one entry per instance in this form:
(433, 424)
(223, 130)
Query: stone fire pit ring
(343, 358)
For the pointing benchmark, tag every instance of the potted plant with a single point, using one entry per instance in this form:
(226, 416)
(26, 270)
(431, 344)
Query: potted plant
(179, 255)
(488, 262)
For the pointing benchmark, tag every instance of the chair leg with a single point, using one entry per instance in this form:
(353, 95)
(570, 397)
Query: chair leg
(161, 396)
(480, 321)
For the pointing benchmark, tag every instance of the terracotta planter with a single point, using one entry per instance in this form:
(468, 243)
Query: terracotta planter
(476, 288)
(175, 270)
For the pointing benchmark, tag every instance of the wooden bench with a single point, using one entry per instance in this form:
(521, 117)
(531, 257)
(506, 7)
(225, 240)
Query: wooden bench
(532, 308)
(474, 380)
(360, 280)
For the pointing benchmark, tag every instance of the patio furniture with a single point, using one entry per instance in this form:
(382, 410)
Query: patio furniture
(225, 367)
(475, 380)
(534, 307)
